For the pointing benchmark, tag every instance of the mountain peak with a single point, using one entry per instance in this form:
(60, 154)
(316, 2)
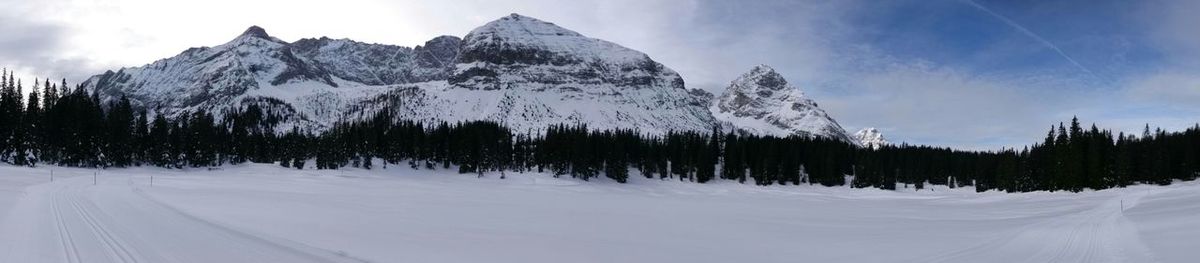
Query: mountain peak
(255, 31)
(518, 17)
(763, 76)
(763, 68)
(870, 137)
(761, 102)
(513, 43)
(522, 26)
(444, 40)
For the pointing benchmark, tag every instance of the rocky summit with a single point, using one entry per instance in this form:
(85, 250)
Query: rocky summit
(762, 102)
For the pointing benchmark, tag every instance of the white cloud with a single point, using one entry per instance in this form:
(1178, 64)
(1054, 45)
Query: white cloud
(1172, 25)
(1176, 88)
(33, 47)
(1166, 94)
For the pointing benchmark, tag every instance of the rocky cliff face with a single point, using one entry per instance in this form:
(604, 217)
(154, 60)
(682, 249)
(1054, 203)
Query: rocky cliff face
(377, 64)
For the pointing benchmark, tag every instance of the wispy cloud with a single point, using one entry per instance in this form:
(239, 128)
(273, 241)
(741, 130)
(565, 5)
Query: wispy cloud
(1035, 37)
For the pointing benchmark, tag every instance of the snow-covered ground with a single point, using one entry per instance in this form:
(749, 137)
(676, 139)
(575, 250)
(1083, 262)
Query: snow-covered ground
(265, 213)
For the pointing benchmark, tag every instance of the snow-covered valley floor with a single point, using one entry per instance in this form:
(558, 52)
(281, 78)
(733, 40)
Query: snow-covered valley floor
(265, 213)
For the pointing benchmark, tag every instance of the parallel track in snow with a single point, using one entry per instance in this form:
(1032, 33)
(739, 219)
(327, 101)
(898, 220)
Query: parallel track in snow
(1088, 235)
(116, 222)
(70, 251)
(116, 248)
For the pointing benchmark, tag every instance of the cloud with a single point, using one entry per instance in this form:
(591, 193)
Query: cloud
(1178, 89)
(33, 48)
(1172, 26)
(725, 39)
(1166, 94)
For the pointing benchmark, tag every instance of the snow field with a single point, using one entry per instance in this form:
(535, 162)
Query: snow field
(266, 213)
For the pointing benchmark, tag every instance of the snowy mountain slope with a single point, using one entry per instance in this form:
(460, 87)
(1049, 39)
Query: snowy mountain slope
(209, 76)
(529, 73)
(762, 102)
(516, 70)
(648, 111)
(870, 137)
(253, 68)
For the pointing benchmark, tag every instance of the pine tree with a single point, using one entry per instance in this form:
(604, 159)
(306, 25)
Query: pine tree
(51, 94)
(161, 154)
(141, 140)
(120, 134)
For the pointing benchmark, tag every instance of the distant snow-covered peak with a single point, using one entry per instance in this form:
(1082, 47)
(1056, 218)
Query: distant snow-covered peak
(870, 137)
(762, 102)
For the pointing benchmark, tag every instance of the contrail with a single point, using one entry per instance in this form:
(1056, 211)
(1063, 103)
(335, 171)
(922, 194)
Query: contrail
(1035, 36)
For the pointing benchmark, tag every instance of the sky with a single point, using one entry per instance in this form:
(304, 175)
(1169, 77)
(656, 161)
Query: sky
(970, 74)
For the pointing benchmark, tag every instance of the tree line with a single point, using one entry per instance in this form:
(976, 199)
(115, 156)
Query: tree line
(54, 124)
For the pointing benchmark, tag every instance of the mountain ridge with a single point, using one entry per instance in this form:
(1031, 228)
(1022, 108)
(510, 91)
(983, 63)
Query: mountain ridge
(519, 71)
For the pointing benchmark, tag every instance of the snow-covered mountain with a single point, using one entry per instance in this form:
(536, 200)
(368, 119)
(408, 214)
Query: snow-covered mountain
(209, 76)
(523, 72)
(517, 70)
(530, 74)
(762, 102)
(870, 137)
(306, 83)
